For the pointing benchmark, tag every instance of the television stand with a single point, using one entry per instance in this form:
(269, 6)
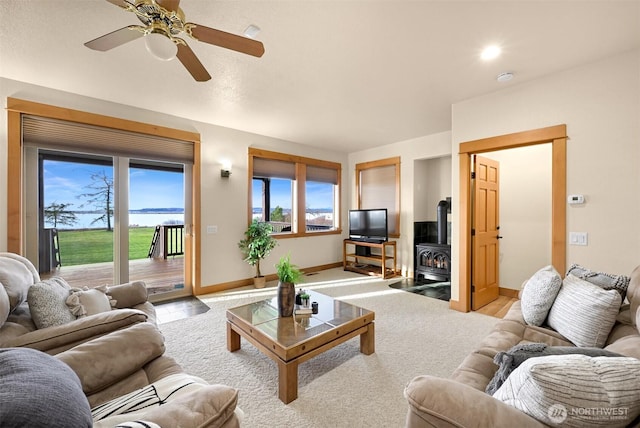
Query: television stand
(369, 264)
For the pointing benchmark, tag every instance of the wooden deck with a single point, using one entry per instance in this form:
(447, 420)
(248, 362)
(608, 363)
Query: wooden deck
(159, 275)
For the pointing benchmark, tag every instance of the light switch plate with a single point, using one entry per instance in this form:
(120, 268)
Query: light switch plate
(578, 238)
(212, 230)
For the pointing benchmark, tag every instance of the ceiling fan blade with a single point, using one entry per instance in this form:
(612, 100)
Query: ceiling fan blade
(191, 62)
(227, 40)
(121, 3)
(115, 38)
(170, 5)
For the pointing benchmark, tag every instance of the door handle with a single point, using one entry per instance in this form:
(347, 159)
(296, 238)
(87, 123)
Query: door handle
(498, 237)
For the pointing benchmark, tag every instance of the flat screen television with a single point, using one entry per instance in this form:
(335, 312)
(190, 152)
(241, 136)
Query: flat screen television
(368, 225)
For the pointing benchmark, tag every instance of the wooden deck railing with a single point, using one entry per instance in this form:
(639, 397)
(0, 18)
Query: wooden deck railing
(172, 240)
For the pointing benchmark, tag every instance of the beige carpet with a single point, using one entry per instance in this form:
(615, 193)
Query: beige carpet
(341, 388)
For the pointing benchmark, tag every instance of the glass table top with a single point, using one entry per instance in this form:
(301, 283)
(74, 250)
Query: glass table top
(289, 331)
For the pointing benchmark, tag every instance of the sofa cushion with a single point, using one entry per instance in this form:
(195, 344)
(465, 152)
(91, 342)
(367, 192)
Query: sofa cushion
(40, 391)
(584, 313)
(575, 390)
(538, 295)
(511, 360)
(170, 400)
(606, 281)
(47, 303)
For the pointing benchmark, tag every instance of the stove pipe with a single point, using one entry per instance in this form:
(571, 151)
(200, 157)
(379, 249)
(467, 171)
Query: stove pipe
(443, 207)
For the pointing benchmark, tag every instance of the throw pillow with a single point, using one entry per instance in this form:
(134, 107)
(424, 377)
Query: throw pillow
(5, 305)
(606, 281)
(47, 303)
(509, 361)
(584, 313)
(538, 295)
(15, 277)
(575, 390)
(40, 391)
(86, 301)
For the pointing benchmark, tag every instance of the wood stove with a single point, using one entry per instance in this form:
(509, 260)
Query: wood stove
(433, 262)
(433, 253)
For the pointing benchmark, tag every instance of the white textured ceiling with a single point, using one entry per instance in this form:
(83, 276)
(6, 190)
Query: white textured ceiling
(342, 75)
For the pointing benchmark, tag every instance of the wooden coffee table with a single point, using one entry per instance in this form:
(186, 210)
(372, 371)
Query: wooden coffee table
(290, 341)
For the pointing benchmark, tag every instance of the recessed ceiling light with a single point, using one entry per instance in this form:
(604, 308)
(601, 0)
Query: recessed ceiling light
(504, 77)
(490, 52)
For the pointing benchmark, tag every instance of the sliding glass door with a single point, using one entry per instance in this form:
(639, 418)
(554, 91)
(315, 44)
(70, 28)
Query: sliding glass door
(108, 220)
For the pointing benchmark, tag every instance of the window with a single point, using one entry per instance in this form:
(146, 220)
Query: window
(378, 186)
(298, 196)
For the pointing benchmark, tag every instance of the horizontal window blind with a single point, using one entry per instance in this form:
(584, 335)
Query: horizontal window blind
(76, 137)
(270, 168)
(322, 175)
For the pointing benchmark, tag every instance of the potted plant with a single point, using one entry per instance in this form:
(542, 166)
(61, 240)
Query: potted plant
(288, 275)
(256, 245)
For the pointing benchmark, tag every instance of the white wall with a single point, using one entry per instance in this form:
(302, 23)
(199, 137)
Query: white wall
(600, 104)
(432, 183)
(525, 212)
(432, 146)
(224, 201)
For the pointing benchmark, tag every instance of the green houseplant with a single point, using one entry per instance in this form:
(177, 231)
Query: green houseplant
(288, 275)
(256, 245)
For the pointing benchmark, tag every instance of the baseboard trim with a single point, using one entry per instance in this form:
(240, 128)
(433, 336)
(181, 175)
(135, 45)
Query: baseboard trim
(224, 286)
(508, 292)
(457, 306)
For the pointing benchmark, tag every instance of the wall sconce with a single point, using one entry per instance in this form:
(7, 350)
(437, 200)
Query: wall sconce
(225, 172)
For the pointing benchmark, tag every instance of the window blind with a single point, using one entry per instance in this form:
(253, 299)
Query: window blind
(56, 134)
(270, 168)
(322, 175)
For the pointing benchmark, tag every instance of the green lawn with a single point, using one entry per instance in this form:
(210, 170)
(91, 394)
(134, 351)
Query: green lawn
(79, 247)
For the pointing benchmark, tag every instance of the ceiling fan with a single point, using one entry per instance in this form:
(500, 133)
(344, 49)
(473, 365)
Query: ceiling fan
(163, 21)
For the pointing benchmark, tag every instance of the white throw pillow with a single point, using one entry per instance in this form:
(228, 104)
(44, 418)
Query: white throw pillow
(88, 301)
(584, 313)
(47, 303)
(575, 390)
(538, 295)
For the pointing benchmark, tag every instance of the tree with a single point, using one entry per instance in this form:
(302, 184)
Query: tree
(58, 214)
(101, 197)
(277, 214)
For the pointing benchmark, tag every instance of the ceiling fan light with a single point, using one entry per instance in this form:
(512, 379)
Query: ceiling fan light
(251, 31)
(160, 46)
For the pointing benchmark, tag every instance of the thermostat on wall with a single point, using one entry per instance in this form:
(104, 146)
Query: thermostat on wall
(576, 199)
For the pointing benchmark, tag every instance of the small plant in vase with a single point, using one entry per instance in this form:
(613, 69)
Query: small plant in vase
(288, 275)
(256, 245)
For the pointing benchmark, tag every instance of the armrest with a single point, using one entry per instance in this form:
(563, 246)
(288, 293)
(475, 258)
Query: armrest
(105, 360)
(129, 294)
(437, 402)
(62, 337)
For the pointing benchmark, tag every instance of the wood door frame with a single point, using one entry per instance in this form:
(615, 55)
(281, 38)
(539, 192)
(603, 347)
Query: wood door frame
(15, 223)
(557, 136)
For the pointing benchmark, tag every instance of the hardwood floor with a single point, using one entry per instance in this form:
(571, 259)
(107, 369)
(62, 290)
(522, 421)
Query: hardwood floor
(498, 308)
(160, 275)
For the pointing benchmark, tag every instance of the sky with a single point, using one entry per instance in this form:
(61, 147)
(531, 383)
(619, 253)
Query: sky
(64, 181)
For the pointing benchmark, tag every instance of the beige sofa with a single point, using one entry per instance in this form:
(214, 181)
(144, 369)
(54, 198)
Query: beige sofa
(117, 355)
(461, 401)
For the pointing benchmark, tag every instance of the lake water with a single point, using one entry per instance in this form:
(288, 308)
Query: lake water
(135, 219)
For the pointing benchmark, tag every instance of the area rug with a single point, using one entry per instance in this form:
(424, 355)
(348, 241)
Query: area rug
(341, 387)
